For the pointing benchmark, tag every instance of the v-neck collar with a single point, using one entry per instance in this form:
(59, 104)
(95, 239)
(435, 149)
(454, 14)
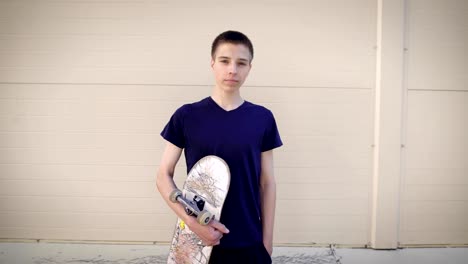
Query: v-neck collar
(224, 110)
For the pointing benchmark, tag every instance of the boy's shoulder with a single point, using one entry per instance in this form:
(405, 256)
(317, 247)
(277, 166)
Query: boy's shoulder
(190, 107)
(258, 109)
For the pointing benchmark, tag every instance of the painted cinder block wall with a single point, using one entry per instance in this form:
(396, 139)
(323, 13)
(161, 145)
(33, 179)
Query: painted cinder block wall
(370, 98)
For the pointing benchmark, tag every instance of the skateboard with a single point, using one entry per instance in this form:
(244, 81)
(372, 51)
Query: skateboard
(203, 195)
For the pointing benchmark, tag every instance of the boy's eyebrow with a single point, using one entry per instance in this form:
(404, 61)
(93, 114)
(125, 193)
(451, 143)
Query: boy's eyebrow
(225, 57)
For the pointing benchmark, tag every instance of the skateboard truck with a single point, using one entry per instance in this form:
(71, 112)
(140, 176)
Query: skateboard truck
(192, 207)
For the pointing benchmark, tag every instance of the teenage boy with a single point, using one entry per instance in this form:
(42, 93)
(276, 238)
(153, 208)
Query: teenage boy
(244, 135)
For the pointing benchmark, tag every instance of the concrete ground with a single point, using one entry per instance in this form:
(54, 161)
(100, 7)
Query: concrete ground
(75, 253)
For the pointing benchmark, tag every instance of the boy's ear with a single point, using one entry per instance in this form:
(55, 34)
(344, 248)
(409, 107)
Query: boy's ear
(212, 62)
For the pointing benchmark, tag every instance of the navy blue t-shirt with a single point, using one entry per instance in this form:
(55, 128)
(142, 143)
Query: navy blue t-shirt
(239, 137)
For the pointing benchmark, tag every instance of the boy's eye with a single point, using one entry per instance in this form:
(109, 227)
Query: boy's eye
(224, 61)
(242, 63)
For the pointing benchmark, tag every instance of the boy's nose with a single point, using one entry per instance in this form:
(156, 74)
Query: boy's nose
(233, 68)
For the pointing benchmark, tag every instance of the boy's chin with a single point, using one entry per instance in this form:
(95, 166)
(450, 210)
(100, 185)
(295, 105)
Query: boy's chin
(230, 88)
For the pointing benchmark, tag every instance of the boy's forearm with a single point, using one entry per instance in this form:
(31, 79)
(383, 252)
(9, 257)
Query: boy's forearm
(166, 185)
(268, 196)
(210, 234)
(165, 177)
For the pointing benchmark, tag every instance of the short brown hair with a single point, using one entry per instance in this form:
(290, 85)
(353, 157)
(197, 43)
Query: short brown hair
(233, 37)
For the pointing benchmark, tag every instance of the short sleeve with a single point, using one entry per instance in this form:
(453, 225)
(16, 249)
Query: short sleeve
(271, 138)
(174, 129)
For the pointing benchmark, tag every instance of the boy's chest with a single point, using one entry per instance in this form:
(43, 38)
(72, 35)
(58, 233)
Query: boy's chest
(224, 133)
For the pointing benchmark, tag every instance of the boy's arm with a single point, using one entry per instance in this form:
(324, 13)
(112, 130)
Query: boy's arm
(210, 234)
(165, 178)
(268, 198)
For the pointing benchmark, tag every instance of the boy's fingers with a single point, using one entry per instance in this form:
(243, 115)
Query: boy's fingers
(217, 225)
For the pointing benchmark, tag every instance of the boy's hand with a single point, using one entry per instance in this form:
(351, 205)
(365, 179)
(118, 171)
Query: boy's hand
(210, 234)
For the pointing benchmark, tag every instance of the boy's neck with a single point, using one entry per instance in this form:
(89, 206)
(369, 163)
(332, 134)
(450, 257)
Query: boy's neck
(227, 101)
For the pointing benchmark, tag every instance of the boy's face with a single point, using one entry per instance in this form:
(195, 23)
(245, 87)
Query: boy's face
(231, 66)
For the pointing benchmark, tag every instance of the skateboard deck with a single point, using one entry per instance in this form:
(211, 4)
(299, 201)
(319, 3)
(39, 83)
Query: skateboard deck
(203, 195)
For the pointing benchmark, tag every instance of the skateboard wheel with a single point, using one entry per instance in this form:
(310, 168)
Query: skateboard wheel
(204, 217)
(174, 194)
